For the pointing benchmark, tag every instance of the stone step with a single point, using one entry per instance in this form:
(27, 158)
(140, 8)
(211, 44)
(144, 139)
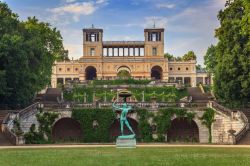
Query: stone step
(197, 94)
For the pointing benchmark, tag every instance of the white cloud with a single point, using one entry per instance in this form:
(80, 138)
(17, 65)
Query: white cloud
(84, 8)
(165, 5)
(76, 9)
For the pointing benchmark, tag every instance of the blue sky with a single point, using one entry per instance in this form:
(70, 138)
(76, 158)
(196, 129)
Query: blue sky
(189, 24)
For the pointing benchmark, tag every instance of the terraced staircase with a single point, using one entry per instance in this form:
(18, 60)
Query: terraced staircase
(197, 95)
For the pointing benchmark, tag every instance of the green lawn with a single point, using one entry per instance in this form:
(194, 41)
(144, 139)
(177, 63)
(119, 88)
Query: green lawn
(140, 156)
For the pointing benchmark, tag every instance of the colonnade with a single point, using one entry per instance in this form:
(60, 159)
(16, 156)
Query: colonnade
(123, 51)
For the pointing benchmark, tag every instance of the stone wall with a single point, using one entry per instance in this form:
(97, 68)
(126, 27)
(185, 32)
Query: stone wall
(220, 127)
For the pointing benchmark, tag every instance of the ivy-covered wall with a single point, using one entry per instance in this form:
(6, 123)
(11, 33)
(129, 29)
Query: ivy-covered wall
(144, 127)
(163, 120)
(106, 117)
(91, 133)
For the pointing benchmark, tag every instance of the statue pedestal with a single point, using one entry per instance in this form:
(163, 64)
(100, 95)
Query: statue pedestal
(126, 141)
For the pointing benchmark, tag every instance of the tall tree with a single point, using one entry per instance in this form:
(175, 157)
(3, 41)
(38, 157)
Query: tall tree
(28, 51)
(232, 70)
(169, 56)
(8, 29)
(210, 59)
(189, 56)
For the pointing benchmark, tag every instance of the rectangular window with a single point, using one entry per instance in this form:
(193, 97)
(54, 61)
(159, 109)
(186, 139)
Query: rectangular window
(92, 51)
(131, 51)
(154, 37)
(136, 51)
(141, 51)
(115, 51)
(121, 52)
(93, 37)
(105, 52)
(110, 52)
(154, 51)
(125, 51)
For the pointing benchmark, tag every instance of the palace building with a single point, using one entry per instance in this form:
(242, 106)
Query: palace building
(104, 60)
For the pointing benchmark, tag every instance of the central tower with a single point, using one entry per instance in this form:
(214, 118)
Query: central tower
(154, 42)
(92, 42)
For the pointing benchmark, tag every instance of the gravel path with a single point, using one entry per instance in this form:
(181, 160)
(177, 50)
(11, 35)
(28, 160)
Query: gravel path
(112, 145)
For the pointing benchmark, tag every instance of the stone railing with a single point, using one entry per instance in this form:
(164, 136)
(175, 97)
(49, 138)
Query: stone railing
(237, 137)
(221, 108)
(244, 130)
(28, 110)
(146, 105)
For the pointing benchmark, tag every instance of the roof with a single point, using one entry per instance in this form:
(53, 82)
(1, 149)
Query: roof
(154, 29)
(92, 30)
(131, 43)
